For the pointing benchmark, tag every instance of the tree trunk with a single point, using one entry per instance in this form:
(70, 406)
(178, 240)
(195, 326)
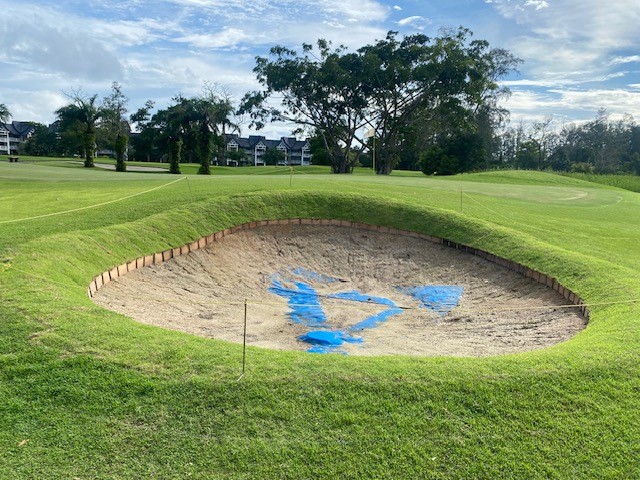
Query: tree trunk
(89, 145)
(121, 147)
(175, 149)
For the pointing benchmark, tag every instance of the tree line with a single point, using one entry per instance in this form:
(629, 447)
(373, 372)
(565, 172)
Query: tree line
(189, 129)
(435, 99)
(600, 145)
(410, 102)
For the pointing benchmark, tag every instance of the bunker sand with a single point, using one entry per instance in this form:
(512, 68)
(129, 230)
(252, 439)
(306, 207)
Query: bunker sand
(203, 293)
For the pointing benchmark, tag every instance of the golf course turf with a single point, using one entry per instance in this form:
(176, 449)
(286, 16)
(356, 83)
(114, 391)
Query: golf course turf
(88, 393)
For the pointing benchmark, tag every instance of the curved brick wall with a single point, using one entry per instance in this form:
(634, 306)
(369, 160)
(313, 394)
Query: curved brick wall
(160, 257)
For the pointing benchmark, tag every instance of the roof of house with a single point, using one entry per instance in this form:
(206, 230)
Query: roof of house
(18, 129)
(249, 143)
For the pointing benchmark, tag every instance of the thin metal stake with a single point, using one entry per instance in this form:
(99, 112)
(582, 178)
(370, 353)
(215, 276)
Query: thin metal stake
(244, 341)
(190, 192)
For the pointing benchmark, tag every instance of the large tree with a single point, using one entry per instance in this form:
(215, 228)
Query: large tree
(425, 88)
(43, 141)
(143, 139)
(393, 88)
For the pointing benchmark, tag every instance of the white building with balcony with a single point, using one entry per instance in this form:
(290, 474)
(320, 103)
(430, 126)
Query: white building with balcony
(296, 152)
(12, 135)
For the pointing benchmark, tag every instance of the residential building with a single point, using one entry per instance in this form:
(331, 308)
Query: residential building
(296, 152)
(12, 135)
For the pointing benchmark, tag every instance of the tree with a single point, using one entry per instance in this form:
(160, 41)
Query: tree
(395, 87)
(143, 140)
(115, 125)
(321, 90)
(212, 112)
(42, 142)
(273, 156)
(318, 151)
(542, 138)
(237, 156)
(81, 117)
(198, 123)
(462, 152)
(5, 114)
(175, 152)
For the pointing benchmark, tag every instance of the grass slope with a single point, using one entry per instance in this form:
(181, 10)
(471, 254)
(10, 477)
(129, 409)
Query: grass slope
(87, 393)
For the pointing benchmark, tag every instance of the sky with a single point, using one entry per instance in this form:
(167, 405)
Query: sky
(578, 55)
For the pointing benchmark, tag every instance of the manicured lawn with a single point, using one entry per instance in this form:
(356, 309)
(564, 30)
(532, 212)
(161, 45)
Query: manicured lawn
(628, 182)
(87, 393)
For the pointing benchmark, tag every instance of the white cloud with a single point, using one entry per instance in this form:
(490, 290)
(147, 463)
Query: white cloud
(413, 21)
(35, 106)
(46, 41)
(227, 38)
(608, 23)
(572, 104)
(623, 60)
(397, 8)
(536, 4)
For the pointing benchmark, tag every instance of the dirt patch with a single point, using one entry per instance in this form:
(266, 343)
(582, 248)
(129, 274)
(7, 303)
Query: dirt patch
(203, 293)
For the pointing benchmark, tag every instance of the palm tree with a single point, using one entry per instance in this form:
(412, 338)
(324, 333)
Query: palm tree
(85, 113)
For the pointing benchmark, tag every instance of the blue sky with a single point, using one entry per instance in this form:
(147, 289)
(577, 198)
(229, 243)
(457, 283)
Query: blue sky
(579, 56)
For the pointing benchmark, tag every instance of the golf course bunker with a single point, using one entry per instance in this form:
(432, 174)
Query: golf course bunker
(332, 289)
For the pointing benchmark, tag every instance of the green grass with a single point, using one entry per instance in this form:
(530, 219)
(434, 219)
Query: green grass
(628, 182)
(88, 393)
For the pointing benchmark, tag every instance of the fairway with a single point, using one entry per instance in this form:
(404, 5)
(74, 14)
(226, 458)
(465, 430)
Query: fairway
(90, 393)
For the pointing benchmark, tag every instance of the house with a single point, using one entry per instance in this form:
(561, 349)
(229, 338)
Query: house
(296, 152)
(12, 135)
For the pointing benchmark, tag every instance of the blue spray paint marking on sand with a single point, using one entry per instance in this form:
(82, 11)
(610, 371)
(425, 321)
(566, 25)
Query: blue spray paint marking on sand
(303, 302)
(438, 298)
(356, 296)
(374, 320)
(314, 276)
(323, 341)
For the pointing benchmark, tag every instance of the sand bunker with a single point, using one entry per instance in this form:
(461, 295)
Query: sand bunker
(348, 291)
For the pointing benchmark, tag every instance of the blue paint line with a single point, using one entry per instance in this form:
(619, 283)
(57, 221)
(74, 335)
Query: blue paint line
(437, 298)
(313, 276)
(375, 320)
(359, 297)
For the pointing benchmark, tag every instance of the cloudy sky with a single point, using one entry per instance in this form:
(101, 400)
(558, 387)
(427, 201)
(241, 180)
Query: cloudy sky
(579, 55)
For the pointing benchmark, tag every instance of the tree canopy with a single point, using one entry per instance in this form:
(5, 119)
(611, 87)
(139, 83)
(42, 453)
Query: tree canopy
(399, 89)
